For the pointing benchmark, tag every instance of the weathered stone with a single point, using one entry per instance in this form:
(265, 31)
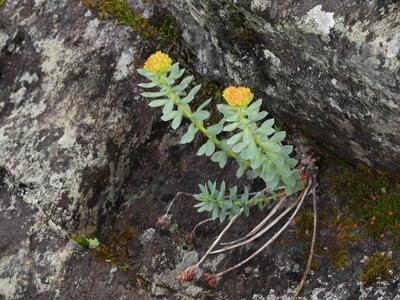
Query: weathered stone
(70, 117)
(77, 142)
(331, 67)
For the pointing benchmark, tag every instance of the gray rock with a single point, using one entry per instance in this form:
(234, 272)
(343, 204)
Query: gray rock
(330, 68)
(77, 142)
(70, 117)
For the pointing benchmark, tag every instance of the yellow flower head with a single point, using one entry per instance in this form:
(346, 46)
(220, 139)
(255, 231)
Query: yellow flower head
(237, 96)
(158, 62)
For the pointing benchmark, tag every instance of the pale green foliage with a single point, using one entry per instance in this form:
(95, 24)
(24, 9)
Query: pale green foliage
(221, 206)
(85, 241)
(258, 147)
(261, 145)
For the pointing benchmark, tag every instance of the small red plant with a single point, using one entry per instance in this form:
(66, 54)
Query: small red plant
(188, 275)
(211, 279)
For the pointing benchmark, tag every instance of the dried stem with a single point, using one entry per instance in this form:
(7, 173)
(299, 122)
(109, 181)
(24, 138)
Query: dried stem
(219, 238)
(173, 200)
(262, 232)
(257, 228)
(277, 234)
(310, 257)
(201, 223)
(192, 269)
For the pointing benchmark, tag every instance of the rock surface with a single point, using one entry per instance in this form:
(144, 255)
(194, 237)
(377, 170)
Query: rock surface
(330, 67)
(80, 151)
(70, 116)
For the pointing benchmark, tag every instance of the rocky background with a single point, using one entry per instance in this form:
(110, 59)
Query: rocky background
(329, 67)
(82, 153)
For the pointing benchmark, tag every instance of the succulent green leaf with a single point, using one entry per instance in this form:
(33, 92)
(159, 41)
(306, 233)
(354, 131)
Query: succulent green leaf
(191, 94)
(241, 170)
(176, 122)
(204, 104)
(259, 116)
(277, 159)
(210, 148)
(175, 72)
(247, 136)
(225, 109)
(222, 190)
(222, 215)
(214, 213)
(212, 186)
(287, 149)
(272, 146)
(169, 116)
(284, 170)
(215, 129)
(235, 138)
(223, 160)
(267, 171)
(257, 160)
(291, 162)
(239, 147)
(169, 106)
(231, 126)
(278, 137)
(146, 74)
(189, 135)
(183, 85)
(158, 103)
(255, 106)
(265, 131)
(200, 115)
(148, 85)
(268, 123)
(153, 94)
(202, 208)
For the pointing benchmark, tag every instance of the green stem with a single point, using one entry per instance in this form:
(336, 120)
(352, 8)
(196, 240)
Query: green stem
(250, 201)
(198, 124)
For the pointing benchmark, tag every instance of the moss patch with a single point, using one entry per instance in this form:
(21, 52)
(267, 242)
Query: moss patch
(374, 196)
(2, 2)
(115, 249)
(340, 258)
(84, 241)
(340, 232)
(377, 267)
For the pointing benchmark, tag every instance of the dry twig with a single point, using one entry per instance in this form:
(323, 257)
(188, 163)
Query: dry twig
(310, 257)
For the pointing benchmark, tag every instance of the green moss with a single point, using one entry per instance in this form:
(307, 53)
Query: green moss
(345, 228)
(377, 267)
(375, 196)
(120, 10)
(304, 224)
(84, 241)
(340, 258)
(163, 31)
(115, 249)
(340, 232)
(2, 2)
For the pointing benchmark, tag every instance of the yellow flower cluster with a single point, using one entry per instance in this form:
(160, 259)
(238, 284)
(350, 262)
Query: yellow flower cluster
(158, 62)
(237, 96)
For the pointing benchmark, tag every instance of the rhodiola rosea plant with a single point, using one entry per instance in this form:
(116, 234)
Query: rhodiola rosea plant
(244, 134)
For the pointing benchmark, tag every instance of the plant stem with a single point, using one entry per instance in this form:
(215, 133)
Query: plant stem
(258, 227)
(310, 257)
(277, 234)
(198, 124)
